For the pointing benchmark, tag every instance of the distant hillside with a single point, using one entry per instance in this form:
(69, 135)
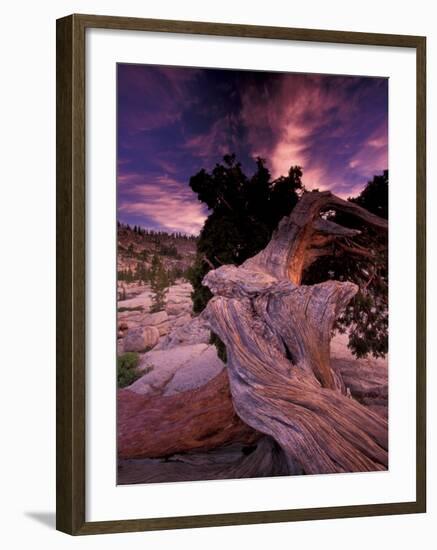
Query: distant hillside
(136, 248)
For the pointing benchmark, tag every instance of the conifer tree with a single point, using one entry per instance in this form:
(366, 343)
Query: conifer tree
(159, 283)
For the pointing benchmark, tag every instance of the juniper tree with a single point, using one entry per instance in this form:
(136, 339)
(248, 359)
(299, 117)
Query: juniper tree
(364, 261)
(244, 211)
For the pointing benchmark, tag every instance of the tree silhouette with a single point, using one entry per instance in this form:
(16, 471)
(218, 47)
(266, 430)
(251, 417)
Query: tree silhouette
(374, 196)
(364, 261)
(244, 212)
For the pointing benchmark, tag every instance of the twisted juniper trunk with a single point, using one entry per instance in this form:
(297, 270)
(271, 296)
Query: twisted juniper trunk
(277, 335)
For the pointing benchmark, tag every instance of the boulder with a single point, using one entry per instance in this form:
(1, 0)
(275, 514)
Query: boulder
(126, 291)
(180, 289)
(193, 331)
(178, 299)
(159, 320)
(140, 338)
(144, 299)
(129, 319)
(366, 378)
(182, 320)
(195, 373)
(129, 316)
(177, 370)
(153, 319)
(164, 328)
(178, 308)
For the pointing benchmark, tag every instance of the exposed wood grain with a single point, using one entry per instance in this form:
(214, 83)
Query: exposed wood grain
(248, 31)
(277, 335)
(292, 244)
(70, 277)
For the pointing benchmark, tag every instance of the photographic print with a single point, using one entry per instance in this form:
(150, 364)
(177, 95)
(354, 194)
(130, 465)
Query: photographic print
(252, 274)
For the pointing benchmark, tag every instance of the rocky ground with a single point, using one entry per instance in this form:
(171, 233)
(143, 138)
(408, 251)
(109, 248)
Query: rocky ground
(173, 344)
(367, 378)
(138, 247)
(176, 357)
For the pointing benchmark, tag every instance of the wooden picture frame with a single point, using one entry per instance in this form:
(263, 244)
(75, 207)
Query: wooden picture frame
(71, 253)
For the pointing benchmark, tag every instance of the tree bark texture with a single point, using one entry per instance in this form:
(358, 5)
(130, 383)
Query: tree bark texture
(280, 391)
(277, 335)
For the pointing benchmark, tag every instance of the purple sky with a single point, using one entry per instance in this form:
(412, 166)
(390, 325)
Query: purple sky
(174, 121)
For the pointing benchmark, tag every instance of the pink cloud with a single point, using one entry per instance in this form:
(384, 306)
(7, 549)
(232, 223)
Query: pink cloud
(293, 111)
(164, 200)
(303, 115)
(374, 152)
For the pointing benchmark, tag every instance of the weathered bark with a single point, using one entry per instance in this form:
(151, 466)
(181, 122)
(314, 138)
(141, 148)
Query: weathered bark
(262, 459)
(277, 336)
(160, 426)
(292, 242)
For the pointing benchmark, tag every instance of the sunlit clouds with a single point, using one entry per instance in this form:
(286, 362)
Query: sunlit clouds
(161, 202)
(331, 126)
(174, 121)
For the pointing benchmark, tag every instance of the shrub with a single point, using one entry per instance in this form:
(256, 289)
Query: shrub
(169, 250)
(127, 371)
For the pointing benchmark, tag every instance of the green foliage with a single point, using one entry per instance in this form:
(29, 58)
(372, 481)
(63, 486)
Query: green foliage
(126, 275)
(362, 260)
(169, 250)
(176, 273)
(160, 281)
(157, 236)
(142, 273)
(374, 196)
(127, 372)
(130, 250)
(243, 214)
(245, 211)
(136, 308)
(195, 274)
(367, 313)
(144, 255)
